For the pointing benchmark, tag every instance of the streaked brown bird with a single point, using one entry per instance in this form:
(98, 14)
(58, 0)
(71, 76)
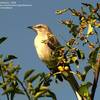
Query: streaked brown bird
(46, 45)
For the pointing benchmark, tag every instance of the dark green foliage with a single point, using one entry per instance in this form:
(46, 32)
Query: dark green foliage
(28, 73)
(2, 39)
(10, 57)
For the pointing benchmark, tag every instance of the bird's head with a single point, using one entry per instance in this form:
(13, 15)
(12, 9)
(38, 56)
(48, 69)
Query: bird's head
(40, 28)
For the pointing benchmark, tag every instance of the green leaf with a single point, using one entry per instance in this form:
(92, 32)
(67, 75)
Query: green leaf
(28, 73)
(43, 88)
(19, 91)
(14, 69)
(82, 76)
(8, 90)
(84, 89)
(59, 12)
(86, 70)
(45, 78)
(2, 39)
(34, 77)
(50, 94)
(75, 60)
(39, 94)
(93, 56)
(13, 90)
(90, 30)
(44, 92)
(3, 85)
(10, 57)
(73, 29)
(80, 54)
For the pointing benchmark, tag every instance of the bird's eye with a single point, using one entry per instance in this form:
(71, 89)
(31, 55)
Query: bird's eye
(40, 26)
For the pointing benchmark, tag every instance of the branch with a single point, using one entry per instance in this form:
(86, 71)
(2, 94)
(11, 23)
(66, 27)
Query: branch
(23, 88)
(74, 84)
(96, 77)
(3, 81)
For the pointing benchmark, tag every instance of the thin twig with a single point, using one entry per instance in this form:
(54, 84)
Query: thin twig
(4, 81)
(23, 88)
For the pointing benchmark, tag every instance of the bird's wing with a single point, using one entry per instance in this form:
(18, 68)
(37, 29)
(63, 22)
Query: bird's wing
(52, 42)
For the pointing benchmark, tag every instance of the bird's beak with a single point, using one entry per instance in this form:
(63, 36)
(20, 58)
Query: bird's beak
(30, 27)
(34, 27)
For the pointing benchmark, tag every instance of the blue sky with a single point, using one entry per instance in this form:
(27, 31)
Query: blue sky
(13, 24)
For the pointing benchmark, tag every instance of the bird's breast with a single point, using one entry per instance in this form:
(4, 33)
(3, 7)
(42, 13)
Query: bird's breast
(43, 51)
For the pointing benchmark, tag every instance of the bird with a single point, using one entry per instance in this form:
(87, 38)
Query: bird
(46, 45)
